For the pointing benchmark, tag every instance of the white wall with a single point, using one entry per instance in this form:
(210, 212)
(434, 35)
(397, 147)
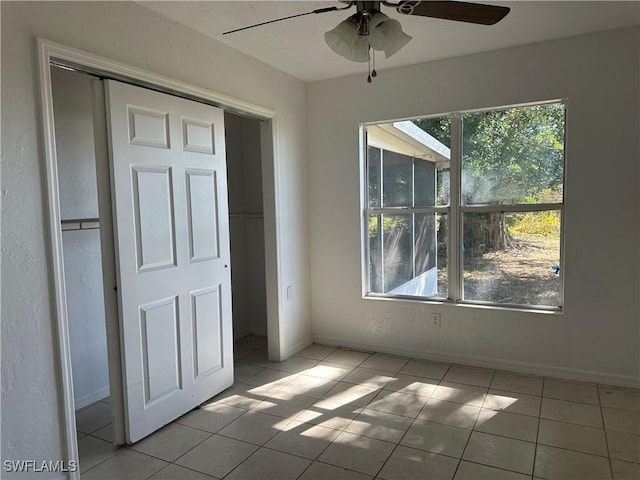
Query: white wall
(128, 33)
(246, 226)
(598, 336)
(75, 149)
(85, 307)
(74, 144)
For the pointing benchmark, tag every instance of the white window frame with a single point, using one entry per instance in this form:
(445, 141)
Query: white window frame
(454, 211)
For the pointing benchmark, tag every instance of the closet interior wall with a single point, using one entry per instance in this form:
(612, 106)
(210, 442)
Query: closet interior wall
(244, 170)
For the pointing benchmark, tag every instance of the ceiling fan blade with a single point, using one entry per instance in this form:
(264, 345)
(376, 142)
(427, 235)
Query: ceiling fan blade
(457, 11)
(319, 10)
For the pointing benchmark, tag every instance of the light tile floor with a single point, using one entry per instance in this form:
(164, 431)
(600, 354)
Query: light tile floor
(331, 413)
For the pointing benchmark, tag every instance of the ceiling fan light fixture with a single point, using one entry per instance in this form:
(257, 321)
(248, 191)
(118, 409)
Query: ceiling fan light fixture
(346, 41)
(386, 34)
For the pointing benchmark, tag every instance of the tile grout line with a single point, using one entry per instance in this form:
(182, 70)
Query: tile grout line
(260, 446)
(181, 466)
(535, 451)
(118, 451)
(411, 425)
(474, 425)
(393, 450)
(263, 446)
(172, 462)
(196, 445)
(381, 390)
(604, 429)
(242, 462)
(330, 443)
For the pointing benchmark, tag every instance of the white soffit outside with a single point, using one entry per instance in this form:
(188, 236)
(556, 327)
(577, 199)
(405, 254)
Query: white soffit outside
(406, 138)
(296, 46)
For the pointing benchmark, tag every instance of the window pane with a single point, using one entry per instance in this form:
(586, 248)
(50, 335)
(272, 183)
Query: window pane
(430, 256)
(397, 179)
(375, 253)
(443, 256)
(398, 250)
(373, 176)
(514, 155)
(405, 260)
(437, 151)
(425, 183)
(425, 242)
(512, 258)
(442, 191)
(439, 128)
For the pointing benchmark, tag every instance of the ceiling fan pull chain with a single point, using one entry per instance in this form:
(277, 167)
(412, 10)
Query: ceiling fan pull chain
(374, 74)
(369, 66)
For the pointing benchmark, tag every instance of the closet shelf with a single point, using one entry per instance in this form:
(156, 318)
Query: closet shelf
(245, 215)
(80, 224)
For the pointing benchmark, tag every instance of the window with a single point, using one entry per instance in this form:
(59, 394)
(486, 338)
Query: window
(467, 207)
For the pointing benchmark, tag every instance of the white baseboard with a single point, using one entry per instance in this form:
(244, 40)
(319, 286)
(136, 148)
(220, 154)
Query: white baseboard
(237, 334)
(488, 362)
(259, 332)
(91, 398)
(298, 347)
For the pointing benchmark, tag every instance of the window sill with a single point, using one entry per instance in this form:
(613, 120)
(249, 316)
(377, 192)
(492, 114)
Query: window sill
(468, 304)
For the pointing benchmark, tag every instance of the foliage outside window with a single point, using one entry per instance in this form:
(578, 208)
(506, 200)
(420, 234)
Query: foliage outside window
(467, 207)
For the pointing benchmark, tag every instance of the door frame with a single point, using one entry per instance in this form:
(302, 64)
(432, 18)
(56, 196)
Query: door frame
(56, 54)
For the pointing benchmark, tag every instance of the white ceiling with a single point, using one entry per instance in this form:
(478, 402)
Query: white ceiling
(297, 46)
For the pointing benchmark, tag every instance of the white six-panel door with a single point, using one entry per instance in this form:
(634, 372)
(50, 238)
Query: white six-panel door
(169, 188)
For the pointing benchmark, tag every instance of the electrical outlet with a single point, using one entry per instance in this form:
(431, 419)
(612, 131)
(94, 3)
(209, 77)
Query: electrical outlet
(435, 320)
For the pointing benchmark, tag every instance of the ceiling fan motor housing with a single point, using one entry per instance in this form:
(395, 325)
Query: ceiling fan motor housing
(368, 7)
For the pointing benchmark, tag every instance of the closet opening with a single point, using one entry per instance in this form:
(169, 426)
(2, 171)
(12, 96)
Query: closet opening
(87, 233)
(79, 173)
(246, 225)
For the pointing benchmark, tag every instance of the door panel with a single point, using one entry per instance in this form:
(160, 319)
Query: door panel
(203, 215)
(207, 338)
(153, 207)
(160, 326)
(198, 136)
(172, 245)
(148, 127)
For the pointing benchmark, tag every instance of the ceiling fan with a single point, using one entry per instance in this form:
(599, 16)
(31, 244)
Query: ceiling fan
(359, 36)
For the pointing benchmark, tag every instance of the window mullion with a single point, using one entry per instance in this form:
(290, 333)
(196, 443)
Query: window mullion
(401, 210)
(413, 218)
(381, 224)
(366, 202)
(455, 220)
(516, 207)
